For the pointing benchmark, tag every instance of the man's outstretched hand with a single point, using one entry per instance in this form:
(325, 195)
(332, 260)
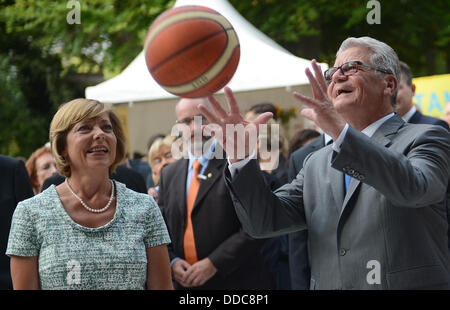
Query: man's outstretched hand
(237, 136)
(320, 109)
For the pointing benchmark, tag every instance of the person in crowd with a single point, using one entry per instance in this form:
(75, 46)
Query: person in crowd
(153, 139)
(149, 181)
(89, 232)
(15, 186)
(268, 154)
(301, 138)
(140, 165)
(446, 116)
(40, 166)
(259, 108)
(209, 248)
(159, 156)
(280, 172)
(298, 155)
(405, 106)
(374, 201)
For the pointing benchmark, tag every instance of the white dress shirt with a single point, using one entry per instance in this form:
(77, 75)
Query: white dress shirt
(409, 114)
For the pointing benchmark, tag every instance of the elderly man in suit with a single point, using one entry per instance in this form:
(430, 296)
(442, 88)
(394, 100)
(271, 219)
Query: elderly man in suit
(374, 201)
(405, 107)
(209, 248)
(15, 186)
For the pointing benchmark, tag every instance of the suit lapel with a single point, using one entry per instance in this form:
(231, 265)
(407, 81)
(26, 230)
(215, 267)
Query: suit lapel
(212, 173)
(337, 185)
(179, 184)
(352, 187)
(336, 177)
(389, 127)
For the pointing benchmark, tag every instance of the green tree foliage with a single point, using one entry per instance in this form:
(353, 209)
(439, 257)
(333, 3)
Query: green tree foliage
(30, 89)
(40, 52)
(17, 122)
(110, 34)
(418, 30)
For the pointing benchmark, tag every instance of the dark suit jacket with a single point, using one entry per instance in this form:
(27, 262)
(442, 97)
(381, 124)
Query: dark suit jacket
(144, 169)
(15, 186)
(297, 158)
(387, 231)
(419, 118)
(132, 179)
(276, 249)
(217, 230)
(298, 241)
(448, 213)
(281, 172)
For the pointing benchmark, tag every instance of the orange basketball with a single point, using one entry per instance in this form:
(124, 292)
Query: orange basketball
(192, 51)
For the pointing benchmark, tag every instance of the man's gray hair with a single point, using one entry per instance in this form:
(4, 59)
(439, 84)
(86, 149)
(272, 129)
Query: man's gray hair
(383, 56)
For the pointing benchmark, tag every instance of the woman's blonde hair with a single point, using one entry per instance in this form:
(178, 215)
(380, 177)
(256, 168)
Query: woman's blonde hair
(73, 112)
(167, 140)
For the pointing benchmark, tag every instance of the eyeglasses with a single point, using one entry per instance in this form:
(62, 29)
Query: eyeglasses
(350, 68)
(189, 120)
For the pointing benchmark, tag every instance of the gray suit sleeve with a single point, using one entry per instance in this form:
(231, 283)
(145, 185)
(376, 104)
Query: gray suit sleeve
(417, 177)
(448, 213)
(292, 169)
(264, 213)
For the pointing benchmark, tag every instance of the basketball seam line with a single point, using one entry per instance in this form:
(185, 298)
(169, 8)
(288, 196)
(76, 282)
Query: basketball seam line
(169, 87)
(210, 81)
(156, 67)
(180, 21)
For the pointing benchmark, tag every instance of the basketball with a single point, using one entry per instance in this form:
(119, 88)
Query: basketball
(191, 51)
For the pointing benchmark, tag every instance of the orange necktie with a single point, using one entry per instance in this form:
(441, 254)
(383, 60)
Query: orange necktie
(190, 253)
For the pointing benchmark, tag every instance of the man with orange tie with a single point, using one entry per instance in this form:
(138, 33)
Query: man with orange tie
(209, 248)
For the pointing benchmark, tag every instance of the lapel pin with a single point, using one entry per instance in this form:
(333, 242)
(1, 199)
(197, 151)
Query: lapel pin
(201, 177)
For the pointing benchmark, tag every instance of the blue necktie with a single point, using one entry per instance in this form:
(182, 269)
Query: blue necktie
(348, 179)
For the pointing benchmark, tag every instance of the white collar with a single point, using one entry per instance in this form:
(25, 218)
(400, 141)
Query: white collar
(370, 130)
(409, 114)
(326, 138)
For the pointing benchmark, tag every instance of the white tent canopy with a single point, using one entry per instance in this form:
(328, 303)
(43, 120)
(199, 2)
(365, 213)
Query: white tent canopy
(263, 64)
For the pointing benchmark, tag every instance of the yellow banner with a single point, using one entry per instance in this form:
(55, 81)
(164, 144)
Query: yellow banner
(432, 93)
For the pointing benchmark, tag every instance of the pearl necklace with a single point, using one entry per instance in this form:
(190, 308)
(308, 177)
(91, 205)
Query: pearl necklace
(86, 206)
